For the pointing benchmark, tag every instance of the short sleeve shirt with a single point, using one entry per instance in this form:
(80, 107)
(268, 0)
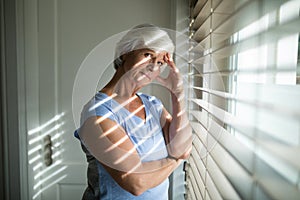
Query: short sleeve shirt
(146, 135)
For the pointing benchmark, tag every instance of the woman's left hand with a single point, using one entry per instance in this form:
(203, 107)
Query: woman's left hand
(173, 81)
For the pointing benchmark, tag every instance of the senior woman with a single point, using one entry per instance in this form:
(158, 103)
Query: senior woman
(131, 141)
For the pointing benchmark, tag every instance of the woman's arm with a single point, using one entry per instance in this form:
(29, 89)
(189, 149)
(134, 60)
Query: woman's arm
(108, 143)
(137, 182)
(176, 127)
(177, 130)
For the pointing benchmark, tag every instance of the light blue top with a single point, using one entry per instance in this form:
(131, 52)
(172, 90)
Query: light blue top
(147, 136)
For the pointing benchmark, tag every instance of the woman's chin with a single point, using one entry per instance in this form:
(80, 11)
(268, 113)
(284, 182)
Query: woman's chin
(142, 78)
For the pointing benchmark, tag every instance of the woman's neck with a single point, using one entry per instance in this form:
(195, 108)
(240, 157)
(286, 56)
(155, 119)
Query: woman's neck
(120, 85)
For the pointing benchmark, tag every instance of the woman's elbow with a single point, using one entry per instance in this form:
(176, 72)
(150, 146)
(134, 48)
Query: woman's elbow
(134, 185)
(137, 192)
(181, 149)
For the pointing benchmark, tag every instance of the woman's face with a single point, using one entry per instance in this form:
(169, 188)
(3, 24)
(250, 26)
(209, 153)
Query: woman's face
(143, 65)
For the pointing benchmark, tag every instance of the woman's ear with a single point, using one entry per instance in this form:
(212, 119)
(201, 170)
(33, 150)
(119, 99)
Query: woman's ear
(123, 57)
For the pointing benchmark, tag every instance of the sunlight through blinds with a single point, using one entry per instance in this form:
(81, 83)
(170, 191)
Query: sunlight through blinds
(244, 100)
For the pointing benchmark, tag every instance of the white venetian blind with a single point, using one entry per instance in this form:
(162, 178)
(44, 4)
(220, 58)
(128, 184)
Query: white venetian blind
(244, 102)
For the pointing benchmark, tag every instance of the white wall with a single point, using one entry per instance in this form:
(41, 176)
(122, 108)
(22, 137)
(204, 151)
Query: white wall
(58, 35)
(84, 24)
(182, 45)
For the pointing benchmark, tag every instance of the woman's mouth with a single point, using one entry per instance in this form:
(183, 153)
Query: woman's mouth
(144, 75)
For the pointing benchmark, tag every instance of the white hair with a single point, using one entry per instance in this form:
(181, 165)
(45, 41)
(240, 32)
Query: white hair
(141, 37)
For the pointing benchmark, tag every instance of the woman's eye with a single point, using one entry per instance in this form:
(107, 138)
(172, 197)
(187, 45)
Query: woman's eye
(148, 55)
(160, 63)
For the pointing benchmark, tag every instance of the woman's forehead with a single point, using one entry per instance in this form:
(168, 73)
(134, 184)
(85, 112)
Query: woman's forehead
(152, 51)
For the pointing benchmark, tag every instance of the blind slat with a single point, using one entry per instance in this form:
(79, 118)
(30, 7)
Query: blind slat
(202, 15)
(236, 148)
(222, 115)
(289, 136)
(267, 37)
(237, 175)
(282, 155)
(198, 128)
(274, 184)
(272, 34)
(203, 31)
(199, 162)
(202, 118)
(220, 180)
(195, 186)
(226, 25)
(270, 70)
(190, 191)
(292, 152)
(230, 6)
(205, 59)
(198, 7)
(208, 41)
(200, 147)
(244, 98)
(199, 174)
(250, 12)
(276, 104)
(212, 189)
(287, 154)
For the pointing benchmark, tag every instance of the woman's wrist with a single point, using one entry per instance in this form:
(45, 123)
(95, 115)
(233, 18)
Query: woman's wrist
(172, 157)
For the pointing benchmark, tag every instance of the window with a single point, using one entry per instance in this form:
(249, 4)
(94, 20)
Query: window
(244, 106)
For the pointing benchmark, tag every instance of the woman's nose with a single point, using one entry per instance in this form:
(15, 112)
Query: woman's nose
(150, 67)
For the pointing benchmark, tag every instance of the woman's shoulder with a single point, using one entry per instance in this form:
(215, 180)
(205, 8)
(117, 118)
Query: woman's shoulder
(99, 103)
(101, 95)
(150, 98)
